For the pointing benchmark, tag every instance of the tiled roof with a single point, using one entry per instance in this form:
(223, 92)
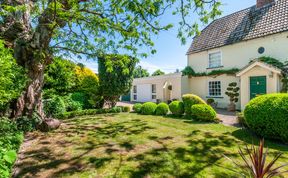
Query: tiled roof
(244, 25)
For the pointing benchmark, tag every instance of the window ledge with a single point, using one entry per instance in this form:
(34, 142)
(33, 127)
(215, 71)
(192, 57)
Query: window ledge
(215, 67)
(215, 97)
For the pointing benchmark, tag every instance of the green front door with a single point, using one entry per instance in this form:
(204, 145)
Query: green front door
(257, 86)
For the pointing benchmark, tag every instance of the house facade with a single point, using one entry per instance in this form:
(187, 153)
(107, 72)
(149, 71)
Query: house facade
(238, 41)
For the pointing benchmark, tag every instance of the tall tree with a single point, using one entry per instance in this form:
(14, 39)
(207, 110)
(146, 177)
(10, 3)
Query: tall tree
(115, 76)
(158, 72)
(39, 29)
(139, 72)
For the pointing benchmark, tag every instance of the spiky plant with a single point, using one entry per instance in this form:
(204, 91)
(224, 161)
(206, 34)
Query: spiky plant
(255, 164)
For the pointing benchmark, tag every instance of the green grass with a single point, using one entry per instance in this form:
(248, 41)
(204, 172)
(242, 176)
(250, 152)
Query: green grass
(131, 145)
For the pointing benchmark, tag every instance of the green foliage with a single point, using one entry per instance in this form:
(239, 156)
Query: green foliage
(137, 107)
(54, 106)
(158, 72)
(177, 108)
(126, 109)
(70, 104)
(233, 92)
(67, 115)
(27, 124)
(148, 108)
(272, 61)
(189, 100)
(115, 76)
(283, 66)
(82, 98)
(162, 109)
(139, 72)
(188, 71)
(60, 77)
(203, 112)
(12, 78)
(267, 116)
(210, 101)
(10, 140)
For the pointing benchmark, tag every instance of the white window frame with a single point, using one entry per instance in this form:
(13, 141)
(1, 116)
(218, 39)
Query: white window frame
(213, 52)
(154, 95)
(209, 94)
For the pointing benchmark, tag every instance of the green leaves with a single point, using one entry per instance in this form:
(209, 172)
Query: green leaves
(10, 156)
(12, 79)
(115, 75)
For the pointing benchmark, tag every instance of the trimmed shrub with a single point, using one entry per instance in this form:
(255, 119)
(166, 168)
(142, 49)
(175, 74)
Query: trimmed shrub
(67, 115)
(115, 109)
(189, 100)
(148, 108)
(210, 101)
(54, 106)
(177, 108)
(126, 109)
(203, 112)
(137, 107)
(267, 116)
(162, 109)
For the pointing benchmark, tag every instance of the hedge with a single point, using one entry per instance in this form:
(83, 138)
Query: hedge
(148, 108)
(177, 108)
(162, 109)
(189, 100)
(203, 112)
(137, 107)
(267, 116)
(72, 114)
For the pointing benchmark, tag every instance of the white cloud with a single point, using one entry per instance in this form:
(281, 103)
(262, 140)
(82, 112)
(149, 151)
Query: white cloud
(152, 67)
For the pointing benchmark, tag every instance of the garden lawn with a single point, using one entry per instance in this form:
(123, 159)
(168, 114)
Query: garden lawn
(131, 145)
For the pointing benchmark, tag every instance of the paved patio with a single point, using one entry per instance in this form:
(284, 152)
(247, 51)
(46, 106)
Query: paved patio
(227, 118)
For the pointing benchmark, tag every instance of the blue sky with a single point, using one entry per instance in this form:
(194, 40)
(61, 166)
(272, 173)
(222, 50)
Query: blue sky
(171, 55)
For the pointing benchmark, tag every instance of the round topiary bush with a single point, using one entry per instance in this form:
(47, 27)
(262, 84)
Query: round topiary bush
(162, 109)
(148, 108)
(126, 109)
(177, 108)
(203, 112)
(137, 107)
(267, 116)
(189, 100)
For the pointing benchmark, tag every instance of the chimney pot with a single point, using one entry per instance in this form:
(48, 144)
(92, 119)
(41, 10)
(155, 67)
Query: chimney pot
(262, 3)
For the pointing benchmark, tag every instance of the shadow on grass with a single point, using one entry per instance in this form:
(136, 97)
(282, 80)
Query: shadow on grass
(186, 161)
(83, 136)
(250, 137)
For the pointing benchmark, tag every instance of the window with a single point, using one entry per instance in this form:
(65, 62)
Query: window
(153, 88)
(134, 97)
(153, 97)
(215, 88)
(214, 60)
(134, 89)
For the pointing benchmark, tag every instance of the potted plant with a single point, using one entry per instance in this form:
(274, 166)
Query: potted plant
(233, 94)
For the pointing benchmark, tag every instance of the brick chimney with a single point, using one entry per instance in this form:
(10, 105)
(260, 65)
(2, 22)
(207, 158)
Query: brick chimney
(261, 3)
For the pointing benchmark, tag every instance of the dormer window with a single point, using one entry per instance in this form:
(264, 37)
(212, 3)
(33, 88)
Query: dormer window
(215, 60)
